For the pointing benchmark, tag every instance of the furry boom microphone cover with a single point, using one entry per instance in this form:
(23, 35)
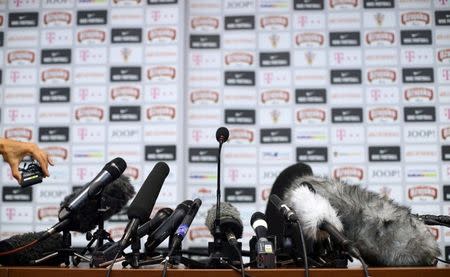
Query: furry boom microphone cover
(386, 233)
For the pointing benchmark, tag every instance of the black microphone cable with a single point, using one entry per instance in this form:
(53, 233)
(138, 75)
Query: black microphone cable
(305, 255)
(43, 236)
(19, 249)
(291, 217)
(108, 273)
(240, 259)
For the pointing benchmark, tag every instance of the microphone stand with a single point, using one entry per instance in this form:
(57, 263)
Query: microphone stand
(133, 258)
(64, 253)
(175, 256)
(99, 235)
(220, 250)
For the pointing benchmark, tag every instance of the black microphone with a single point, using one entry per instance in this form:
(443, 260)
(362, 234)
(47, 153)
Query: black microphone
(230, 222)
(143, 203)
(110, 172)
(182, 230)
(259, 225)
(102, 256)
(52, 244)
(150, 226)
(84, 219)
(168, 227)
(115, 197)
(222, 134)
(285, 211)
(265, 256)
(86, 216)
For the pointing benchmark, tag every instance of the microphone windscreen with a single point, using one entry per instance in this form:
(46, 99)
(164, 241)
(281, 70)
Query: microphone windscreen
(115, 196)
(312, 210)
(222, 134)
(38, 251)
(385, 233)
(116, 167)
(143, 203)
(229, 219)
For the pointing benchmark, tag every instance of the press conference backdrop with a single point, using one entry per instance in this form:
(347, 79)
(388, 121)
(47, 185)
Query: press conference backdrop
(358, 89)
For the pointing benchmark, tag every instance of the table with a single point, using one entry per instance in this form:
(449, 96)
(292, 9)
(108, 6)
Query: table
(440, 271)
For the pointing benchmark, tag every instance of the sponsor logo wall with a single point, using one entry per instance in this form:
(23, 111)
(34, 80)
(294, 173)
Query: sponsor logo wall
(358, 89)
(90, 81)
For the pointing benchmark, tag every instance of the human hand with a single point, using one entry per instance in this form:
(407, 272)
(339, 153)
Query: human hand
(14, 151)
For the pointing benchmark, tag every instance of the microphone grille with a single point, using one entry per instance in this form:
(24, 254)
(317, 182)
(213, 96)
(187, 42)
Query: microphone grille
(116, 167)
(229, 219)
(222, 134)
(257, 216)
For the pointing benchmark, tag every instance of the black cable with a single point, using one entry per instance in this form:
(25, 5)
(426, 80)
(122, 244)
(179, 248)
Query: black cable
(240, 258)
(364, 265)
(237, 269)
(166, 261)
(112, 264)
(305, 255)
(19, 249)
(443, 261)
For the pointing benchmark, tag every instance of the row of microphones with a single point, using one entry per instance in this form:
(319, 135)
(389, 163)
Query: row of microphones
(110, 250)
(168, 227)
(78, 212)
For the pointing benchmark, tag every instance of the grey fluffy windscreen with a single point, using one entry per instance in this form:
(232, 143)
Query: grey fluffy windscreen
(385, 232)
(38, 251)
(227, 211)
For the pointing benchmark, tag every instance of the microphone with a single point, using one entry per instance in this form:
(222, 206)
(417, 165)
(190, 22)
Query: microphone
(265, 256)
(150, 226)
(115, 197)
(386, 234)
(259, 225)
(316, 215)
(182, 230)
(142, 205)
(222, 135)
(230, 222)
(100, 257)
(283, 209)
(168, 227)
(110, 172)
(51, 245)
(84, 219)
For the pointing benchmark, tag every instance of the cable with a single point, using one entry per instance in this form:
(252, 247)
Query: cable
(443, 261)
(305, 255)
(112, 264)
(166, 261)
(240, 258)
(19, 249)
(366, 270)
